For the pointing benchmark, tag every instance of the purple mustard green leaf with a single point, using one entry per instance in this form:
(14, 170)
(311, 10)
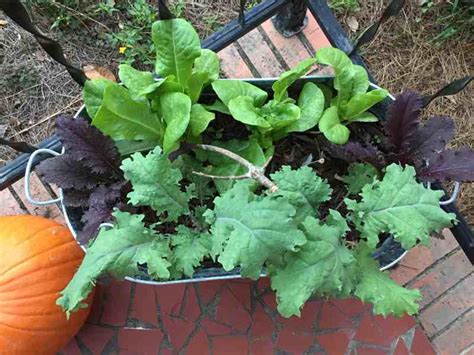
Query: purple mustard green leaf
(449, 165)
(403, 120)
(88, 145)
(67, 173)
(431, 137)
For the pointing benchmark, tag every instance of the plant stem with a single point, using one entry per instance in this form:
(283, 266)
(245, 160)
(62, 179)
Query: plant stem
(254, 172)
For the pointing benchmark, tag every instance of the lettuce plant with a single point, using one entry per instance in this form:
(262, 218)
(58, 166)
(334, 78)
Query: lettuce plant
(186, 187)
(162, 111)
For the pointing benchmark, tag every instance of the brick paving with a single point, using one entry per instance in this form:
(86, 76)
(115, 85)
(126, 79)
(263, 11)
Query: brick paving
(239, 316)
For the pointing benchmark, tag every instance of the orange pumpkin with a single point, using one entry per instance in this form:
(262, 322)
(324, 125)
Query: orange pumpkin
(38, 257)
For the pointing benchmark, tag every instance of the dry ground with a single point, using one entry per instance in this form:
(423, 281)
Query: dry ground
(34, 89)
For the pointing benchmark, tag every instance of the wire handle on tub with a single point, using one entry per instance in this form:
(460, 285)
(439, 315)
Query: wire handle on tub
(27, 179)
(454, 195)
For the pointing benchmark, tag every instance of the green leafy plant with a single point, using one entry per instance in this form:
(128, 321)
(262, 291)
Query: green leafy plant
(228, 184)
(352, 102)
(450, 18)
(161, 111)
(344, 5)
(282, 115)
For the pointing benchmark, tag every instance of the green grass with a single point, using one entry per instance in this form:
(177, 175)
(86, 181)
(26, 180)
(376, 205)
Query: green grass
(344, 5)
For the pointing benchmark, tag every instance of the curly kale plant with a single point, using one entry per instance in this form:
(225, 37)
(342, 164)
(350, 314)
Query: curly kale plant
(194, 197)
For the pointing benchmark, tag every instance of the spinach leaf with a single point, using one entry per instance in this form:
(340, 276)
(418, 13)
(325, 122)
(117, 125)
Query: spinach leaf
(207, 62)
(311, 104)
(206, 69)
(343, 68)
(218, 106)
(93, 94)
(242, 109)
(231, 89)
(281, 86)
(123, 118)
(360, 82)
(135, 80)
(176, 108)
(360, 103)
(331, 126)
(199, 120)
(280, 114)
(177, 46)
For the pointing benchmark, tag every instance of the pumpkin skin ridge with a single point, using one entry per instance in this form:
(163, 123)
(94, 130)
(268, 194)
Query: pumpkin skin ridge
(3, 283)
(34, 256)
(55, 224)
(56, 330)
(37, 290)
(39, 327)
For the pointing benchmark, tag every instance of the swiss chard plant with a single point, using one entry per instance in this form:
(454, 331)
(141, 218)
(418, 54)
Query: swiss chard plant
(244, 181)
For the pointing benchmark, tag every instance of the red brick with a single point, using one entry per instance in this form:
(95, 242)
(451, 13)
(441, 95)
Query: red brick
(421, 344)
(458, 337)
(420, 257)
(231, 312)
(241, 290)
(291, 49)
(401, 348)
(230, 345)
(209, 289)
(335, 343)
(214, 328)
(263, 284)
(370, 332)
(364, 350)
(314, 34)
(9, 206)
(332, 317)
(191, 310)
(261, 346)
(232, 64)
(71, 348)
(170, 298)
(352, 307)
(270, 300)
(95, 337)
(199, 344)
(307, 321)
(178, 330)
(394, 327)
(449, 307)
(262, 325)
(116, 302)
(260, 55)
(443, 276)
(139, 341)
(144, 305)
(292, 342)
(38, 192)
(97, 305)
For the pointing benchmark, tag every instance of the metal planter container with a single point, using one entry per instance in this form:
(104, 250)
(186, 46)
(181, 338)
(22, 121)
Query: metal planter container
(388, 254)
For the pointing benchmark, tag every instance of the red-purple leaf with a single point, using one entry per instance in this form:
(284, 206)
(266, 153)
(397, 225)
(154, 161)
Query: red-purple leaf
(67, 173)
(76, 198)
(356, 152)
(431, 137)
(88, 145)
(449, 165)
(403, 120)
(101, 204)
